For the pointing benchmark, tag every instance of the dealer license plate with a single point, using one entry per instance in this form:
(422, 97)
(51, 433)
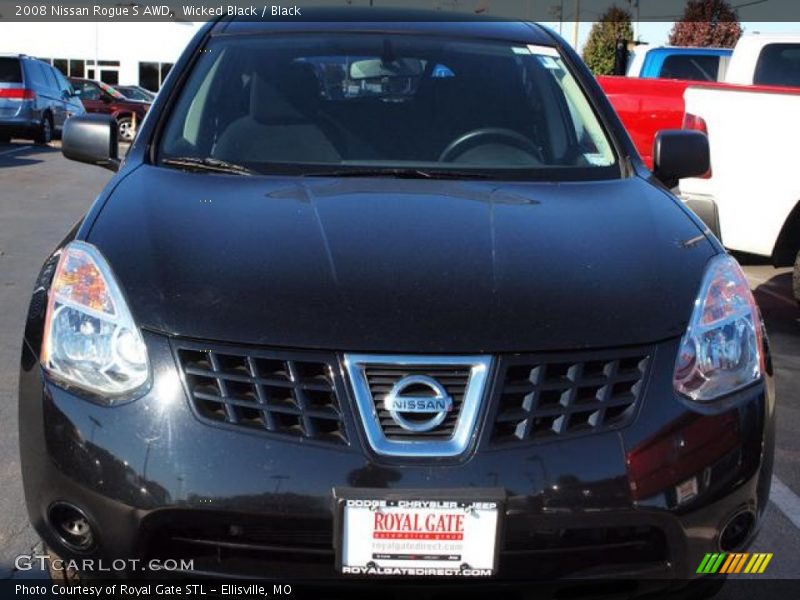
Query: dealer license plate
(419, 538)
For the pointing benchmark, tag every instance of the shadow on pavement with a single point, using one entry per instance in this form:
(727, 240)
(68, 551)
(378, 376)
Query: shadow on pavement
(18, 154)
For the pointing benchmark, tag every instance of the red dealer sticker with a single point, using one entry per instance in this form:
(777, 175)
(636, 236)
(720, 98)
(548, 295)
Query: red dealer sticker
(419, 538)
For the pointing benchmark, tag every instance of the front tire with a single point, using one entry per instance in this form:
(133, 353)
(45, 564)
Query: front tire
(796, 278)
(44, 135)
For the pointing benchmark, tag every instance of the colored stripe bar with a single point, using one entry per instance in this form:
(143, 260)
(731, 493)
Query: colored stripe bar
(752, 563)
(765, 563)
(731, 559)
(715, 567)
(740, 564)
(702, 567)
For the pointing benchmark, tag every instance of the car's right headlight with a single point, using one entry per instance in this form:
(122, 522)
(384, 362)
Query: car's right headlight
(722, 350)
(90, 338)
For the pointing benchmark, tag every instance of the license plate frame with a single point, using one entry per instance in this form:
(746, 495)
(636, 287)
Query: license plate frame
(483, 497)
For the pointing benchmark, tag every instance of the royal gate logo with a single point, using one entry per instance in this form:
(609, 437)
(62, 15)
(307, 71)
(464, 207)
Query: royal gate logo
(732, 563)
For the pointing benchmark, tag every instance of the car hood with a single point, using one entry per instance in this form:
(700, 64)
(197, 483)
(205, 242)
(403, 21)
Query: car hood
(391, 265)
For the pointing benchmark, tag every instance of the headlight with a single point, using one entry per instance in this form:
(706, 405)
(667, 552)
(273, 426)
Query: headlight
(90, 339)
(721, 351)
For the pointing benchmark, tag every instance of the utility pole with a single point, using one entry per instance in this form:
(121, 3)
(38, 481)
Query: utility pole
(634, 4)
(576, 27)
(557, 12)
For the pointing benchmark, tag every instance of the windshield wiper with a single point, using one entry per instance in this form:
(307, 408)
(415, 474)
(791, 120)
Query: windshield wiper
(213, 165)
(398, 173)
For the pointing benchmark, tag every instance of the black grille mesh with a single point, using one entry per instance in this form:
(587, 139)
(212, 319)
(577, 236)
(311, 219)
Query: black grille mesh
(381, 379)
(280, 392)
(541, 398)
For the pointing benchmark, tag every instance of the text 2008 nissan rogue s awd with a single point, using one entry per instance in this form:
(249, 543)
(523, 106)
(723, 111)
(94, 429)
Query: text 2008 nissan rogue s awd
(389, 299)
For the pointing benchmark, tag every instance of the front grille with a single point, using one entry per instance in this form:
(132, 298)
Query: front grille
(381, 379)
(556, 396)
(282, 392)
(248, 546)
(565, 552)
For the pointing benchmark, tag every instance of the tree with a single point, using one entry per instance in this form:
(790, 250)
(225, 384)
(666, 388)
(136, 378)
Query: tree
(707, 23)
(601, 47)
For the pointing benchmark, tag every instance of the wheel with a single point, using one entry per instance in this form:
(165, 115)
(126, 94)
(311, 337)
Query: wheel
(125, 129)
(68, 576)
(45, 133)
(796, 278)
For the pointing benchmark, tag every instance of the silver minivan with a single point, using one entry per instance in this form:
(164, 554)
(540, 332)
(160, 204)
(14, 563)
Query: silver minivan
(35, 99)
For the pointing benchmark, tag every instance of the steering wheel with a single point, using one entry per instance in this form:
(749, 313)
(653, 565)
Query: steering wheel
(484, 135)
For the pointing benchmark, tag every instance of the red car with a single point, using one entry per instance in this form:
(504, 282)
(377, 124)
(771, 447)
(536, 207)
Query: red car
(98, 97)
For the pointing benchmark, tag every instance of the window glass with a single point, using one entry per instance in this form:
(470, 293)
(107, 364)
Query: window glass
(109, 77)
(382, 101)
(148, 75)
(691, 67)
(76, 68)
(63, 84)
(778, 64)
(89, 91)
(10, 71)
(165, 69)
(62, 64)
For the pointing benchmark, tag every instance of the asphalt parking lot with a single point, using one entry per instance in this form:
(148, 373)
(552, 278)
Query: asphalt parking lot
(42, 195)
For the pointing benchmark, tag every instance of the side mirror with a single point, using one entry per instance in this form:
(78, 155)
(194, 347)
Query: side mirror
(106, 99)
(679, 153)
(91, 139)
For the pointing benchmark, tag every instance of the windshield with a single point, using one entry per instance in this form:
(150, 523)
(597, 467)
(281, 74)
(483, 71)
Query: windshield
(313, 104)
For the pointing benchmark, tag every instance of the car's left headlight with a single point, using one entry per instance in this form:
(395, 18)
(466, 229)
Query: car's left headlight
(90, 338)
(722, 349)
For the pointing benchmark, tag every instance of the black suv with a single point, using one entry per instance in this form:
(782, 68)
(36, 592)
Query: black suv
(393, 299)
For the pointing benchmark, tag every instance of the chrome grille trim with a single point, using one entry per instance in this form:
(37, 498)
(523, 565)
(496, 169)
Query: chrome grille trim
(411, 446)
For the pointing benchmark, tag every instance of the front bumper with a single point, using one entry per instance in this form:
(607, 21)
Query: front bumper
(157, 482)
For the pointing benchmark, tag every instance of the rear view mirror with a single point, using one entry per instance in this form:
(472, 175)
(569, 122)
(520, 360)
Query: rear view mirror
(91, 139)
(679, 153)
(376, 68)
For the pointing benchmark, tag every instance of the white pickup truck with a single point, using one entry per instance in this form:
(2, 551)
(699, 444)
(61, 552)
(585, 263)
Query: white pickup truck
(752, 198)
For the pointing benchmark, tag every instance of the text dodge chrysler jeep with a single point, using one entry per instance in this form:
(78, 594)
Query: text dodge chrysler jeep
(392, 299)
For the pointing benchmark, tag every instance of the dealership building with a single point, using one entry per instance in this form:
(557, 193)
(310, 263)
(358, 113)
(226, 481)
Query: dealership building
(113, 52)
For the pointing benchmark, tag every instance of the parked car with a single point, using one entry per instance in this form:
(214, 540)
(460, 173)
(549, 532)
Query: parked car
(766, 59)
(136, 92)
(647, 107)
(300, 333)
(35, 99)
(754, 110)
(98, 97)
(673, 62)
(751, 197)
